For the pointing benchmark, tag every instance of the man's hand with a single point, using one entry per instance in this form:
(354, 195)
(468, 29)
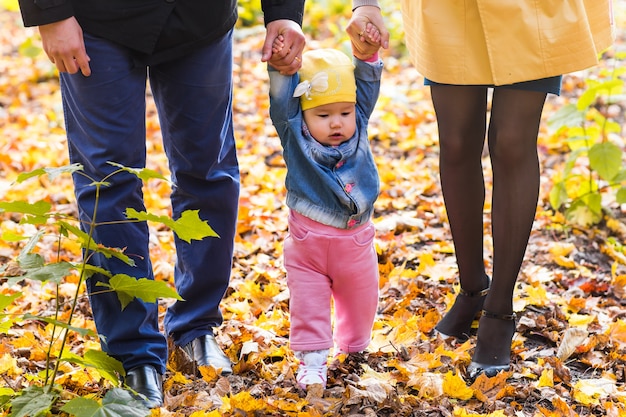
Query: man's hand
(63, 43)
(364, 43)
(288, 59)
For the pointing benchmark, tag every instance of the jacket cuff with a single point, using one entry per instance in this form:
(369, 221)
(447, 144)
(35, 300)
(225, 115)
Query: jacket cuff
(282, 9)
(359, 3)
(43, 12)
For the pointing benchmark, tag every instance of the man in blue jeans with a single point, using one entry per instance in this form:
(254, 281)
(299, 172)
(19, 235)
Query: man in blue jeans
(105, 51)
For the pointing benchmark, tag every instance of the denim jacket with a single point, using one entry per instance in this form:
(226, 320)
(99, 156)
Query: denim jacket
(335, 186)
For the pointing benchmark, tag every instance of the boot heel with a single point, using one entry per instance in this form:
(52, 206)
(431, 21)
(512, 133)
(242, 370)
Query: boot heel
(476, 368)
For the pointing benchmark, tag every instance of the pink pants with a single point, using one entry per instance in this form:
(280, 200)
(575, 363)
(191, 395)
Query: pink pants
(324, 262)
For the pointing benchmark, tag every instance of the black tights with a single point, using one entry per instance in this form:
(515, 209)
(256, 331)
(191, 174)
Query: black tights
(512, 138)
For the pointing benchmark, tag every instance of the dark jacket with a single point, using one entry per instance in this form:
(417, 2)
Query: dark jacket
(157, 29)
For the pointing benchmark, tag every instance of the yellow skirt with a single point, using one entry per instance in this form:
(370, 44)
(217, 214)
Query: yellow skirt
(504, 41)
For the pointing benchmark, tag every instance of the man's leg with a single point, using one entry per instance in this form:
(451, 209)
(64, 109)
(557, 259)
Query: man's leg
(194, 99)
(105, 121)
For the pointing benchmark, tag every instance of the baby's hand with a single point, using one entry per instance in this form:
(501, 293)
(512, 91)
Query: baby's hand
(366, 42)
(278, 44)
(371, 34)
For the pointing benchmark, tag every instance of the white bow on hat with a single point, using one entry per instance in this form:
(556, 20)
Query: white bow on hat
(318, 83)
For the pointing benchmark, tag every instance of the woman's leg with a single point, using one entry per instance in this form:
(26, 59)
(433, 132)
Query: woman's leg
(461, 118)
(513, 130)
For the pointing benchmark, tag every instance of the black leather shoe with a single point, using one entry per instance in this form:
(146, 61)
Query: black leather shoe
(147, 383)
(205, 351)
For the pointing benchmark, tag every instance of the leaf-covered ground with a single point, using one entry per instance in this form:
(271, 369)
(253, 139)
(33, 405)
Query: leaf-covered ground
(569, 353)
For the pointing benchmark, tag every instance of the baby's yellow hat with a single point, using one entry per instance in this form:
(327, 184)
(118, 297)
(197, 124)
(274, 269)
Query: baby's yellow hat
(326, 76)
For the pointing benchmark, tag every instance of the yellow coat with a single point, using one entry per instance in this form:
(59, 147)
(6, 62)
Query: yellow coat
(504, 41)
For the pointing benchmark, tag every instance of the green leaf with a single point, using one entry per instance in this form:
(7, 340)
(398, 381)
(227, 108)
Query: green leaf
(87, 243)
(38, 210)
(80, 330)
(127, 288)
(30, 245)
(89, 270)
(6, 394)
(587, 98)
(558, 195)
(7, 324)
(53, 173)
(83, 407)
(34, 402)
(6, 300)
(10, 236)
(567, 115)
(108, 367)
(143, 173)
(621, 195)
(586, 211)
(53, 272)
(28, 260)
(28, 48)
(606, 159)
(116, 403)
(189, 226)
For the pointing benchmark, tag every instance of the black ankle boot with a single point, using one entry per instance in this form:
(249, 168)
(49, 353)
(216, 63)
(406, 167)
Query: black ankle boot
(497, 363)
(458, 320)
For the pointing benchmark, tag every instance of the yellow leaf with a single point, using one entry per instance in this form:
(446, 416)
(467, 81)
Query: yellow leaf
(426, 260)
(580, 319)
(565, 262)
(179, 378)
(537, 295)
(8, 365)
(562, 409)
(214, 413)
(243, 401)
(561, 249)
(546, 379)
(617, 331)
(454, 386)
(209, 373)
(590, 391)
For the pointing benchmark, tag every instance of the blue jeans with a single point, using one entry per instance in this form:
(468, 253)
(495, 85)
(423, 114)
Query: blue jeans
(105, 121)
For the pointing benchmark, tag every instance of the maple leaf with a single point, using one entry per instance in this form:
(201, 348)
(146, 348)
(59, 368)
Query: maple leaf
(116, 403)
(546, 379)
(88, 243)
(52, 173)
(148, 290)
(36, 213)
(590, 391)
(189, 226)
(58, 323)
(143, 173)
(454, 386)
(107, 366)
(583, 214)
(33, 401)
